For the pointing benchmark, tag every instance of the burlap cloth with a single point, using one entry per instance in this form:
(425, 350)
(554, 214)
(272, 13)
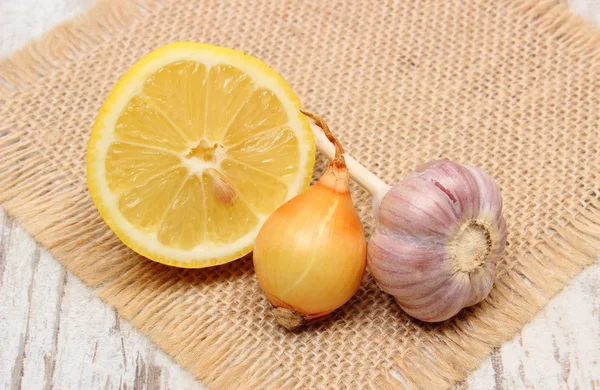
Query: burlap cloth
(511, 86)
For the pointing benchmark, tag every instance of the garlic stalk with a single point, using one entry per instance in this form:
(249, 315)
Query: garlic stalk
(439, 235)
(310, 254)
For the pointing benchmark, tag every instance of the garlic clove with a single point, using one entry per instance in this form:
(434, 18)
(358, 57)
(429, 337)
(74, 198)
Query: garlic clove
(490, 203)
(446, 301)
(417, 208)
(482, 283)
(421, 269)
(454, 181)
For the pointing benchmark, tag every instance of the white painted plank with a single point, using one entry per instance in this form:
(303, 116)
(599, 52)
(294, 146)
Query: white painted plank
(23, 20)
(20, 256)
(589, 9)
(558, 349)
(56, 333)
(44, 312)
(97, 349)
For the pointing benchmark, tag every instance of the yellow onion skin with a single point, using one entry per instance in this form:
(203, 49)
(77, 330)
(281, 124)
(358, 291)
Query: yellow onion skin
(439, 235)
(310, 254)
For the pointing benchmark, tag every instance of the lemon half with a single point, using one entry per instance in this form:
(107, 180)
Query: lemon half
(193, 149)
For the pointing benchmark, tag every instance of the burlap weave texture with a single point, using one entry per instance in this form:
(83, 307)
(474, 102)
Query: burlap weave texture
(512, 86)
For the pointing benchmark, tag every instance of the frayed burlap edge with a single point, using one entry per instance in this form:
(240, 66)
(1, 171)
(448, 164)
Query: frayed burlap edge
(551, 262)
(67, 41)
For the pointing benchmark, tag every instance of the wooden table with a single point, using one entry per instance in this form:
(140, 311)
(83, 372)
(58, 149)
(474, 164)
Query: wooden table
(55, 333)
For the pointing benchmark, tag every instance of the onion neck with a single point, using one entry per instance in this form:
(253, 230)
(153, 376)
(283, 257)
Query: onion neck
(367, 180)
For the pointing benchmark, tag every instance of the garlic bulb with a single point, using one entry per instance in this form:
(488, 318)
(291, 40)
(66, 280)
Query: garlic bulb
(310, 254)
(439, 235)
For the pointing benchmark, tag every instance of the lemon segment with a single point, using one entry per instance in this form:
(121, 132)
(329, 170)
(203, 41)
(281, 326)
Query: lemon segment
(184, 223)
(259, 189)
(179, 91)
(129, 166)
(193, 149)
(273, 152)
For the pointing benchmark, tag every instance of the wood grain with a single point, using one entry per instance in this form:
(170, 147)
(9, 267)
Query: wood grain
(55, 333)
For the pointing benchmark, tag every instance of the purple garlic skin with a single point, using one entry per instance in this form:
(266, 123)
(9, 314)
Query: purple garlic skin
(439, 235)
